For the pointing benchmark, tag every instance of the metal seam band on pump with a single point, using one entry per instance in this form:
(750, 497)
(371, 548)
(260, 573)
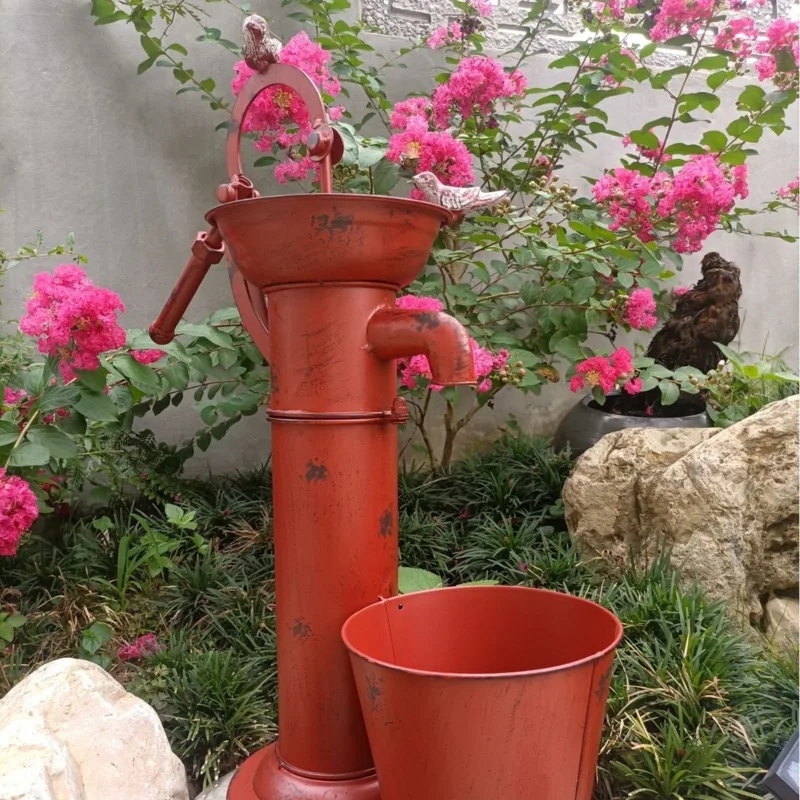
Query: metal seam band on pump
(338, 417)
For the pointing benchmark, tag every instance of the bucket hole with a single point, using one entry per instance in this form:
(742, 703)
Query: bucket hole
(400, 607)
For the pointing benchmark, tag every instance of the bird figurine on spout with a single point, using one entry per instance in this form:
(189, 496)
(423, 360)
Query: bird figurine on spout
(459, 199)
(261, 47)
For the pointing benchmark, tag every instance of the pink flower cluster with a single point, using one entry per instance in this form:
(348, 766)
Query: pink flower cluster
(790, 193)
(148, 356)
(696, 197)
(478, 83)
(607, 372)
(693, 200)
(144, 647)
(279, 114)
(616, 8)
(679, 291)
(738, 36)
(74, 320)
(640, 310)
(447, 34)
(781, 36)
(18, 511)
(415, 367)
(629, 195)
(676, 17)
(12, 396)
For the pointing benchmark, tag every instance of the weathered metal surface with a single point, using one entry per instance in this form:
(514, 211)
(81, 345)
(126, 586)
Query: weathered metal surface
(328, 268)
(483, 692)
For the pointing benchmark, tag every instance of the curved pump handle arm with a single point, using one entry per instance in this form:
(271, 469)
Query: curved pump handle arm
(324, 145)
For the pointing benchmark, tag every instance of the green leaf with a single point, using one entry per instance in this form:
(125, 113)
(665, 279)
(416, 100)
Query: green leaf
(57, 443)
(94, 379)
(102, 8)
(714, 140)
(648, 50)
(645, 139)
(96, 406)
(735, 157)
(411, 579)
(486, 582)
(370, 155)
(669, 392)
(9, 432)
(385, 176)
(6, 632)
(151, 46)
(140, 375)
(16, 620)
(29, 455)
(96, 636)
(712, 62)
(752, 98)
(716, 79)
(350, 155)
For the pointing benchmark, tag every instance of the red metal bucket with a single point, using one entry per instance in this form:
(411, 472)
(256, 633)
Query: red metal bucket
(483, 692)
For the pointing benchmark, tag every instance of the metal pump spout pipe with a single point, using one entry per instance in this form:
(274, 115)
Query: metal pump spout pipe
(403, 332)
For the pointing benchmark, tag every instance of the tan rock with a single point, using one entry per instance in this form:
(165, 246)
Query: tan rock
(111, 743)
(725, 503)
(782, 618)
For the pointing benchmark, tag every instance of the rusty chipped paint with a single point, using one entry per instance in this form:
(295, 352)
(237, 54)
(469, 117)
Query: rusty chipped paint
(316, 472)
(427, 320)
(333, 224)
(301, 630)
(386, 523)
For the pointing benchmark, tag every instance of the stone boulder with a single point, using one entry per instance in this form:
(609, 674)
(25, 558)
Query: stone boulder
(782, 618)
(69, 731)
(725, 502)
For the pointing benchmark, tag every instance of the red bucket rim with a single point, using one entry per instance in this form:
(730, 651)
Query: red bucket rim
(445, 215)
(484, 675)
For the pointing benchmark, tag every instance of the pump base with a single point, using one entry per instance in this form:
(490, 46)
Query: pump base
(262, 778)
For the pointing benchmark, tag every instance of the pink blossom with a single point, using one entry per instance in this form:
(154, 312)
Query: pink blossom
(144, 647)
(500, 360)
(781, 37)
(738, 36)
(677, 17)
(148, 356)
(696, 197)
(403, 111)
(447, 34)
(640, 308)
(483, 7)
(12, 396)
(603, 371)
(74, 320)
(478, 83)
(296, 169)
(432, 151)
(633, 386)
(616, 8)
(18, 511)
(679, 291)
(628, 196)
(419, 303)
(786, 192)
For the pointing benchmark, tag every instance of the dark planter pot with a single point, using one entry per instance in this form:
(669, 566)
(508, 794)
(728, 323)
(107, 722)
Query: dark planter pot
(587, 423)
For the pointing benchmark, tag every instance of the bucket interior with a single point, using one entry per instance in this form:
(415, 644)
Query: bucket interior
(482, 630)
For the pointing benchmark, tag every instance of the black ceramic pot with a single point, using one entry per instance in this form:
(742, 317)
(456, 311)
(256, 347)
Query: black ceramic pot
(587, 423)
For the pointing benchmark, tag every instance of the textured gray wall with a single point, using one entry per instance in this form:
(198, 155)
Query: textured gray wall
(87, 146)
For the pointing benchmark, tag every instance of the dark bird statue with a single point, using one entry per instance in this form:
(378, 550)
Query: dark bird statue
(707, 313)
(261, 46)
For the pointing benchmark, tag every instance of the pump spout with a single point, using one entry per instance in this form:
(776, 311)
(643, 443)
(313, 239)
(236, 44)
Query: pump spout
(404, 332)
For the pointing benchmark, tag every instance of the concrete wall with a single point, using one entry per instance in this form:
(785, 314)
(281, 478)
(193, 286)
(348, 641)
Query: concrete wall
(87, 146)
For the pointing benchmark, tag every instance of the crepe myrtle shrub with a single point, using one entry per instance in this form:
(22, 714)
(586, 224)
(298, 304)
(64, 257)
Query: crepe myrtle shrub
(547, 280)
(73, 382)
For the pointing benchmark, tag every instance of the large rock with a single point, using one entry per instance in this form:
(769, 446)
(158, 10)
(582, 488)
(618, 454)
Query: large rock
(782, 618)
(725, 503)
(69, 731)
(219, 791)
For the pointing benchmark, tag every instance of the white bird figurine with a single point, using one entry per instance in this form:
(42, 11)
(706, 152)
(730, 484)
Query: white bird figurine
(455, 198)
(261, 47)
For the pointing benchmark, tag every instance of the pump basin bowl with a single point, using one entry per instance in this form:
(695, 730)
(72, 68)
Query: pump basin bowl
(329, 237)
